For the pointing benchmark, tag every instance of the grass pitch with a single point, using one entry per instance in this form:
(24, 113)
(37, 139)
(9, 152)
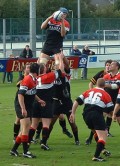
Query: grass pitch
(63, 150)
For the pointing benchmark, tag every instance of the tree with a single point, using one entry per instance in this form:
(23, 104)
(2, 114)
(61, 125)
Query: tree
(117, 5)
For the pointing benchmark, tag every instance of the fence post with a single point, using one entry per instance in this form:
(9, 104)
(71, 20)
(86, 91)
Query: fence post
(4, 37)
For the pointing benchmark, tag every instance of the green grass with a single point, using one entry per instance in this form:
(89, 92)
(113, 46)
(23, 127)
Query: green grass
(63, 151)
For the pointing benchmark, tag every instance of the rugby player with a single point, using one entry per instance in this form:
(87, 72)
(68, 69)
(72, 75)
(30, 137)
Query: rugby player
(95, 101)
(112, 83)
(56, 31)
(45, 92)
(16, 127)
(23, 107)
(62, 103)
(93, 81)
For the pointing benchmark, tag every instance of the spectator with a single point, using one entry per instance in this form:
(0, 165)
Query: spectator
(26, 53)
(86, 51)
(75, 51)
(10, 74)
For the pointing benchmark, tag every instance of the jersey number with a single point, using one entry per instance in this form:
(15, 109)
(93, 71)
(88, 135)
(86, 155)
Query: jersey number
(94, 98)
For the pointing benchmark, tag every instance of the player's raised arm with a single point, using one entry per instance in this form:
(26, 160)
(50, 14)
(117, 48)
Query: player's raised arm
(45, 23)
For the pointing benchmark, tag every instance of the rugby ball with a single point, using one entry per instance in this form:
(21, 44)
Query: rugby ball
(58, 15)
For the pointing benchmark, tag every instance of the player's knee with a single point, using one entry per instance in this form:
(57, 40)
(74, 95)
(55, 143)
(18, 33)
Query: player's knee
(43, 60)
(57, 62)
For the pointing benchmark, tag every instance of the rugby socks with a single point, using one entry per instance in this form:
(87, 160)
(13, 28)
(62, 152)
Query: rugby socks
(16, 129)
(24, 140)
(17, 143)
(45, 134)
(99, 148)
(91, 136)
(39, 128)
(63, 124)
(96, 137)
(108, 123)
(31, 134)
(75, 131)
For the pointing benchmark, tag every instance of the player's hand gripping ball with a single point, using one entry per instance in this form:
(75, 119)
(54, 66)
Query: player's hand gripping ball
(58, 15)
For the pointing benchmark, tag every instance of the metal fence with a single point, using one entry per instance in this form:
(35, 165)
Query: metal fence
(17, 30)
(99, 33)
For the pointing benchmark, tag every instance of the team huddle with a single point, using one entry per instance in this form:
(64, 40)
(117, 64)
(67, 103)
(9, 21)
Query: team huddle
(43, 96)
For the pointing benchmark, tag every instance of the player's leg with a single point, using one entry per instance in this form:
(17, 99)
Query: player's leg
(108, 125)
(16, 127)
(45, 133)
(53, 121)
(17, 141)
(62, 123)
(25, 126)
(102, 136)
(74, 129)
(33, 127)
(38, 131)
(89, 139)
(118, 117)
(44, 58)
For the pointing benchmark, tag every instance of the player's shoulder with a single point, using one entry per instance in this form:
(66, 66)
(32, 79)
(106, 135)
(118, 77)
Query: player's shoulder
(106, 76)
(26, 79)
(66, 23)
(100, 74)
(118, 75)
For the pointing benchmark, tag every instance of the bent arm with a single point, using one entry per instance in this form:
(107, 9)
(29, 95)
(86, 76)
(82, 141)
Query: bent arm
(90, 85)
(63, 30)
(45, 23)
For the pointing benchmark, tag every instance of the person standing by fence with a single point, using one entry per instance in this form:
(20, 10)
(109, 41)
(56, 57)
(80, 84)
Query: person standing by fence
(75, 52)
(86, 51)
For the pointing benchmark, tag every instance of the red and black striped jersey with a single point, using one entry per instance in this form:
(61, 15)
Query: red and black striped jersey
(28, 90)
(54, 33)
(46, 81)
(28, 85)
(109, 79)
(45, 84)
(96, 99)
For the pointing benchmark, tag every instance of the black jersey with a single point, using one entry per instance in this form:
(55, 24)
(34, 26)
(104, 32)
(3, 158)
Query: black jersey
(59, 87)
(54, 38)
(100, 74)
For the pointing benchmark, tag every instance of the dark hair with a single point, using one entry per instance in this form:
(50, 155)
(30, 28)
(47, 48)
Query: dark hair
(34, 68)
(27, 46)
(108, 61)
(117, 64)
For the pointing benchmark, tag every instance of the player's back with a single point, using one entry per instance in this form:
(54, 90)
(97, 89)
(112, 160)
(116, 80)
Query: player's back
(96, 99)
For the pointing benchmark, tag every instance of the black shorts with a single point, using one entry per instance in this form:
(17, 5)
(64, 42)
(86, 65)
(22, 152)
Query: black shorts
(42, 112)
(36, 111)
(60, 107)
(94, 120)
(118, 114)
(19, 112)
(50, 50)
